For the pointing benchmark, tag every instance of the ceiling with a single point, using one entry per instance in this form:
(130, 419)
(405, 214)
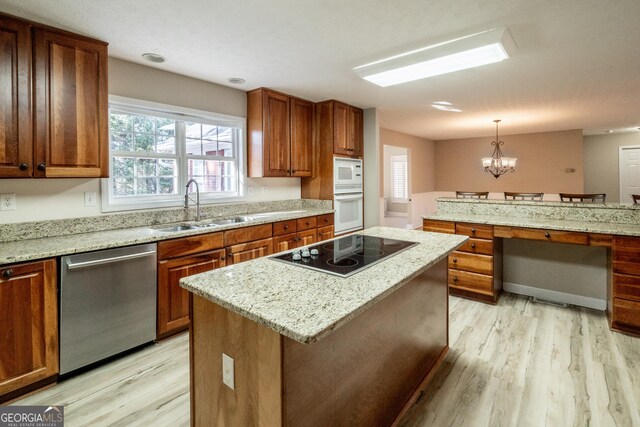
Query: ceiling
(577, 65)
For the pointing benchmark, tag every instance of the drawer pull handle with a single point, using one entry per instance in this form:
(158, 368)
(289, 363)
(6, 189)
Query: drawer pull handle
(7, 273)
(455, 279)
(286, 226)
(221, 258)
(41, 166)
(547, 235)
(455, 260)
(23, 166)
(473, 246)
(473, 230)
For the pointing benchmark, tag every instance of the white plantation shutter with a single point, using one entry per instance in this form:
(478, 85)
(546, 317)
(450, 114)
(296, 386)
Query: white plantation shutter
(399, 179)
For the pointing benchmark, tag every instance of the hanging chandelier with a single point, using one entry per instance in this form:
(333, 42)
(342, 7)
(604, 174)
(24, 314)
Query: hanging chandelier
(497, 164)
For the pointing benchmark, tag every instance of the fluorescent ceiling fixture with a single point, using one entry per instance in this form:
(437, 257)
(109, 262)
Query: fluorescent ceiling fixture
(471, 51)
(442, 103)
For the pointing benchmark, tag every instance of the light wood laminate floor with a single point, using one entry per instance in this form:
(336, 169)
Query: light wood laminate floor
(514, 364)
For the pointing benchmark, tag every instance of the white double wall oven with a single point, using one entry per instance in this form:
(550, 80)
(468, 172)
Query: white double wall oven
(347, 194)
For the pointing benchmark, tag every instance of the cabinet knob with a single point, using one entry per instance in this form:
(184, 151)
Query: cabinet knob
(7, 273)
(23, 166)
(286, 227)
(326, 220)
(473, 230)
(473, 246)
(293, 171)
(455, 279)
(41, 166)
(547, 235)
(221, 258)
(288, 170)
(455, 260)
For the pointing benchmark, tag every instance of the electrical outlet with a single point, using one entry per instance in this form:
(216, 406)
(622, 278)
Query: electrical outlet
(265, 190)
(89, 198)
(8, 202)
(227, 372)
(250, 190)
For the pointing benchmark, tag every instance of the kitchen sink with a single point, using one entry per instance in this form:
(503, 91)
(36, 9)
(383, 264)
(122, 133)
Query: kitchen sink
(235, 220)
(181, 227)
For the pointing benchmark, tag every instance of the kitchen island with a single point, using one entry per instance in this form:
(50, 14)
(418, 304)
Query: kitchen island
(310, 348)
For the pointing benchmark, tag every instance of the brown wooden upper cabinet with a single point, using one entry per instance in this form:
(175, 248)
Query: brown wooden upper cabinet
(64, 132)
(344, 123)
(280, 134)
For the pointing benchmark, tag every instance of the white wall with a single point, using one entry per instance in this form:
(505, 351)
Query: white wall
(373, 215)
(40, 199)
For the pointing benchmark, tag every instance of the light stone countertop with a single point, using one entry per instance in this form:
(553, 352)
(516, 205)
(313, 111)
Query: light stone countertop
(548, 223)
(46, 247)
(306, 305)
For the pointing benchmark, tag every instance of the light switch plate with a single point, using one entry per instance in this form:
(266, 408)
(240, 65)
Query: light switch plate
(89, 198)
(8, 202)
(227, 372)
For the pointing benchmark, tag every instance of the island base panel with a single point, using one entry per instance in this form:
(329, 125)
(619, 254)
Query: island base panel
(363, 373)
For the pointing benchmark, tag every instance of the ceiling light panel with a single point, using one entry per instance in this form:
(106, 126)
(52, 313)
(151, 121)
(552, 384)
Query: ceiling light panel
(466, 52)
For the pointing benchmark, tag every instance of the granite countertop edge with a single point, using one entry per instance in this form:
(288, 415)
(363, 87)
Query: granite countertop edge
(552, 224)
(47, 247)
(323, 329)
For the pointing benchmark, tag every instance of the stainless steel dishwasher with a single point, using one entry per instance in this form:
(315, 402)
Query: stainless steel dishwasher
(107, 304)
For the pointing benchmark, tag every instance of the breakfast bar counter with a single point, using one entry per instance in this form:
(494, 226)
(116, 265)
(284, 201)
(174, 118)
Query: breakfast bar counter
(312, 348)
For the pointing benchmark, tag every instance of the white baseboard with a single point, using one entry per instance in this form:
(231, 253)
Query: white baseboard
(561, 297)
(396, 214)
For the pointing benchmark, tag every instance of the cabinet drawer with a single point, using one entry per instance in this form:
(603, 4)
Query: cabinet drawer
(438, 226)
(247, 234)
(550, 236)
(626, 313)
(284, 227)
(325, 233)
(479, 231)
(477, 246)
(626, 255)
(306, 223)
(473, 282)
(626, 286)
(324, 220)
(189, 245)
(285, 242)
(482, 264)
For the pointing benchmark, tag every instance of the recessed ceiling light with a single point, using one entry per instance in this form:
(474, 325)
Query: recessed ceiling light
(470, 51)
(446, 106)
(154, 57)
(236, 80)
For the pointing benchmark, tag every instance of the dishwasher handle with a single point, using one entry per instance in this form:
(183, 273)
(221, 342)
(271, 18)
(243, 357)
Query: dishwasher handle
(85, 264)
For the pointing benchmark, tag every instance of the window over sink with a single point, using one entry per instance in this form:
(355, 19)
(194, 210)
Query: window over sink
(155, 149)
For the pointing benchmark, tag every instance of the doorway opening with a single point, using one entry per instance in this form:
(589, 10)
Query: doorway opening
(629, 164)
(397, 186)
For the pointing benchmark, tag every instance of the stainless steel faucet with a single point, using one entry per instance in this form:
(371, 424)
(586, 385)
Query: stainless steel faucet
(186, 198)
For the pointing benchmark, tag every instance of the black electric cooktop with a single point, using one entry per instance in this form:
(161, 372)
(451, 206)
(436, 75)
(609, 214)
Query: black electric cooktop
(345, 256)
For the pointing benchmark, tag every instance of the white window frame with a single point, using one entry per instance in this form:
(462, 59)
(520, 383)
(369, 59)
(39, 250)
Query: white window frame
(401, 158)
(112, 204)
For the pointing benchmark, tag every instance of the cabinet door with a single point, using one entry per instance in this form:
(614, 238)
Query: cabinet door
(356, 131)
(307, 237)
(276, 134)
(285, 243)
(28, 324)
(16, 157)
(301, 137)
(173, 301)
(248, 251)
(325, 233)
(71, 110)
(341, 137)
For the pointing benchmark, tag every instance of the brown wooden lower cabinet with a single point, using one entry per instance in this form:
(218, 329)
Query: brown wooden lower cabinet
(625, 315)
(250, 250)
(325, 233)
(28, 326)
(173, 301)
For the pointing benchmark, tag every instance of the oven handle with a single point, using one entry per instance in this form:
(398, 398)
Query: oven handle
(347, 198)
